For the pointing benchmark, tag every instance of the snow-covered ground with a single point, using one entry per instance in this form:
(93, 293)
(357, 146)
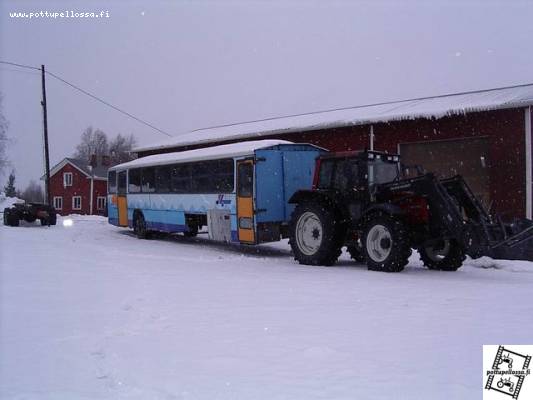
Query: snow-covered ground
(91, 312)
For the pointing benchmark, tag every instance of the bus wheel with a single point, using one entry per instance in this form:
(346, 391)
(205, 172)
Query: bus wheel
(192, 231)
(139, 226)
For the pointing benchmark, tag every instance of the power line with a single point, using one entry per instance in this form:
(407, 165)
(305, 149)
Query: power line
(19, 65)
(107, 104)
(92, 96)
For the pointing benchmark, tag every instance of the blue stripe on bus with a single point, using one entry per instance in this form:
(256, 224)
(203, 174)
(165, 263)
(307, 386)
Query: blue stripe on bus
(113, 221)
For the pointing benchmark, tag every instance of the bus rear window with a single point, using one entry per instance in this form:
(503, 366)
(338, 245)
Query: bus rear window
(112, 182)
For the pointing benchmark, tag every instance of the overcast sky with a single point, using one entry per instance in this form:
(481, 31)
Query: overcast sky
(184, 65)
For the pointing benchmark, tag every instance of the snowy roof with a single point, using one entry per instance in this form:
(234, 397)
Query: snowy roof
(427, 107)
(99, 172)
(222, 151)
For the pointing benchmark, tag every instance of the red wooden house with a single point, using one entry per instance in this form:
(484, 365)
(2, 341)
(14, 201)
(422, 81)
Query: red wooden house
(79, 187)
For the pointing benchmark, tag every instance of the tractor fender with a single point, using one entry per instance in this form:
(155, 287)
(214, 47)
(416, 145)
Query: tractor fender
(386, 208)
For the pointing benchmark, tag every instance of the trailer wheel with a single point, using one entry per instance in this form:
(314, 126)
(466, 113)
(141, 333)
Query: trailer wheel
(386, 244)
(6, 216)
(139, 226)
(315, 234)
(11, 217)
(445, 256)
(52, 219)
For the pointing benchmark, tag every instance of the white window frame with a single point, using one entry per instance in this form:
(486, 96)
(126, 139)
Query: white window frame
(74, 202)
(60, 199)
(101, 199)
(67, 179)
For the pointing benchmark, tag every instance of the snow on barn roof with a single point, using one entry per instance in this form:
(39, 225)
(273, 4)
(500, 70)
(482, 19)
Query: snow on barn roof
(222, 151)
(426, 107)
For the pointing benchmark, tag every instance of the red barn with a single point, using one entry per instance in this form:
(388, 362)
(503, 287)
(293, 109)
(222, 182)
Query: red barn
(483, 135)
(79, 187)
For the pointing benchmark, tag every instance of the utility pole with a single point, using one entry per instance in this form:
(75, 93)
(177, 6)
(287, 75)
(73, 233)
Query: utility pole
(45, 126)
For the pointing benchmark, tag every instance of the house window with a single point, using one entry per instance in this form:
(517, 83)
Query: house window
(100, 202)
(58, 202)
(76, 202)
(67, 179)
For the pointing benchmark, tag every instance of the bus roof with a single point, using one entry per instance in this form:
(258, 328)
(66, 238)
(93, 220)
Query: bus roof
(207, 153)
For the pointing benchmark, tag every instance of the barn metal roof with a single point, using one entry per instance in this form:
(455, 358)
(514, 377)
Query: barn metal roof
(426, 107)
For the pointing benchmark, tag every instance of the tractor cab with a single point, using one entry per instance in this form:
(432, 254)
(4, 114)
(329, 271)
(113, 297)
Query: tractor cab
(355, 171)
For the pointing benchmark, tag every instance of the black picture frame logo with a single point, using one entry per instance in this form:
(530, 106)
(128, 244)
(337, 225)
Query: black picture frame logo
(508, 373)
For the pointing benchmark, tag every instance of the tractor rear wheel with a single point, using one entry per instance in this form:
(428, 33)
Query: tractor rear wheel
(386, 244)
(315, 234)
(446, 255)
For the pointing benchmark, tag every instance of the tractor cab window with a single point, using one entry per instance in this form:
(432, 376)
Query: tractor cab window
(380, 171)
(346, 174)
(341, 174)
(325, 174)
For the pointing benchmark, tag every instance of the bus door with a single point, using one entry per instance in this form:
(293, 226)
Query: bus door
(245, 201)
(122, 202)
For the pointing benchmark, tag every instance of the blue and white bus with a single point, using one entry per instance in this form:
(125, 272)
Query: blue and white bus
(238, 191)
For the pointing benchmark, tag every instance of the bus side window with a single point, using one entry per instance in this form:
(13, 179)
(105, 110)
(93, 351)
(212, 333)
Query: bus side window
(148, 180)
(202, 177)
(245, 179)
(122, 182)
(112, 182)
(134, 180)
(162, 179)
(224, 176)
(180, 178)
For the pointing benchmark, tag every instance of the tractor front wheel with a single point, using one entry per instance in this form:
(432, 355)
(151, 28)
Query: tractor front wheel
(315, 234)
(386, 244)
(444, 255)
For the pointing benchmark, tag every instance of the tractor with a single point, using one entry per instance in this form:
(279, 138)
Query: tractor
(366, 202)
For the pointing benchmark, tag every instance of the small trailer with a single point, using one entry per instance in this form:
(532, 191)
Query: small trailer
(30, 212)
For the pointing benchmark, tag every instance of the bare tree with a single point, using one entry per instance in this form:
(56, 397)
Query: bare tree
(120, 149)
(4, 162)
(33, 193)
(93, 142)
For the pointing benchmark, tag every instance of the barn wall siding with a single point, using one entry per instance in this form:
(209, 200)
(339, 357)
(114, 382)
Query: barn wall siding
(503, 128)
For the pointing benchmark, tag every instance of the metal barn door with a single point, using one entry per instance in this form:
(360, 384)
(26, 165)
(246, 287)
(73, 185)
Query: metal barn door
(245, 201)
(468, 157)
